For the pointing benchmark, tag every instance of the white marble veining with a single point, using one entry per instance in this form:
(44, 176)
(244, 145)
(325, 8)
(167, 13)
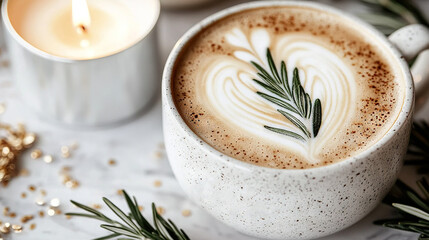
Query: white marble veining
(133, 145)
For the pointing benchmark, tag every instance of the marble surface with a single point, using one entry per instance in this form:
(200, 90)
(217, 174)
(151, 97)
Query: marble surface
(137, 147)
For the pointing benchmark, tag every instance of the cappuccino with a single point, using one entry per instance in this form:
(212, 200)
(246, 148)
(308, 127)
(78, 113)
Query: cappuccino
(287, 87)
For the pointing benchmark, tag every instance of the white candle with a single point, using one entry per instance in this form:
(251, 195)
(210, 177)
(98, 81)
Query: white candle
(76, 29)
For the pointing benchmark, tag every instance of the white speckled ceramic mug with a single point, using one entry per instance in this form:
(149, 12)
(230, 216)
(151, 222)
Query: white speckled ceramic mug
(292, 204)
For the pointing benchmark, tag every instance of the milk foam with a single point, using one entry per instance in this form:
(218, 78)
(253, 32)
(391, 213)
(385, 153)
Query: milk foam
(360, 91)
(231, 91)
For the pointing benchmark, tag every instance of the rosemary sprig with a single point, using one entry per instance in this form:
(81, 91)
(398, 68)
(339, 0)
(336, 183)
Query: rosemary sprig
(413, 206)
(418, 150)
(295, 103)
(132, 225)
(390, 15)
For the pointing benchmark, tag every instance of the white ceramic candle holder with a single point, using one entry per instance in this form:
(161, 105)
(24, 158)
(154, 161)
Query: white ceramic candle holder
(90, 92)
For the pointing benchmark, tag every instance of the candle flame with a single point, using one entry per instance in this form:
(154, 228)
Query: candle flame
(80, 15)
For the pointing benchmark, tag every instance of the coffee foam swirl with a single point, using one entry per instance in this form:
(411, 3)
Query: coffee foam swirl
(360, 88)
(227, 85)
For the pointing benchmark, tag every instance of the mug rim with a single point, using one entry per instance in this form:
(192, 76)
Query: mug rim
(405, 112)
(21, 41)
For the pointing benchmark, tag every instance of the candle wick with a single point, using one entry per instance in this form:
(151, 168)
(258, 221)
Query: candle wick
(82, 29)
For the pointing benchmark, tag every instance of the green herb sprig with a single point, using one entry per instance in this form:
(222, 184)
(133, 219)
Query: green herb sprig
(132, 225)
(390, 15)
(418, 150)
(296, 105)
(413, 206)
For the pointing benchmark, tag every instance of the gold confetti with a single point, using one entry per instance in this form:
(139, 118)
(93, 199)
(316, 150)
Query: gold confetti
(51, 212)
(55, 202)
(68, 217)
(96, 206)
(157, 154)
(186, 213)
(11, 146)
(157, 183)
(2, 108)
(64, 149)
(65, 169)
(120, 192)
(32, 226)
(6, 211)
(5, 228)
(40, 202)
(48, 159)
(32, 188)
(43, 192)
(112, 162)
(23, 195)
(72, 184)
(12, 215)
(4, 63)
(36, 154)
(17, 228)
(65, 152)
(5, 151)
(66, 179)
(24, 172)
(26, 218)
(141, 208)
(41, 214)
(29, 139)
(160, 210)
(74, 146)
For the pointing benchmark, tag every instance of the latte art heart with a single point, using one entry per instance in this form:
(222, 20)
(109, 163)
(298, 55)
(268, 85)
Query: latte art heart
(230, 88)
(217, 92)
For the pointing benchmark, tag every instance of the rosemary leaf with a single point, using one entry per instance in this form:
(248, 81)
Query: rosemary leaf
(156, 221)
(292, 99)
(271, 89)
(317, 117)
(87, 216)
(278, 102)
(267, 77)
(296, 122)
(135, 225)
(424, 187)
(418, 201)
(88, 209)
(412, 210)
(135, 212)
(285, 80)
(285, 132)
(296, 91)
(121, 215)
(120, 230)
(308, 105)
(271, 82)
(273, 67)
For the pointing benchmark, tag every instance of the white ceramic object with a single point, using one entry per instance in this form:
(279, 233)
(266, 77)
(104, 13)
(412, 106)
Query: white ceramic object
(289, 204)
(91, 92)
